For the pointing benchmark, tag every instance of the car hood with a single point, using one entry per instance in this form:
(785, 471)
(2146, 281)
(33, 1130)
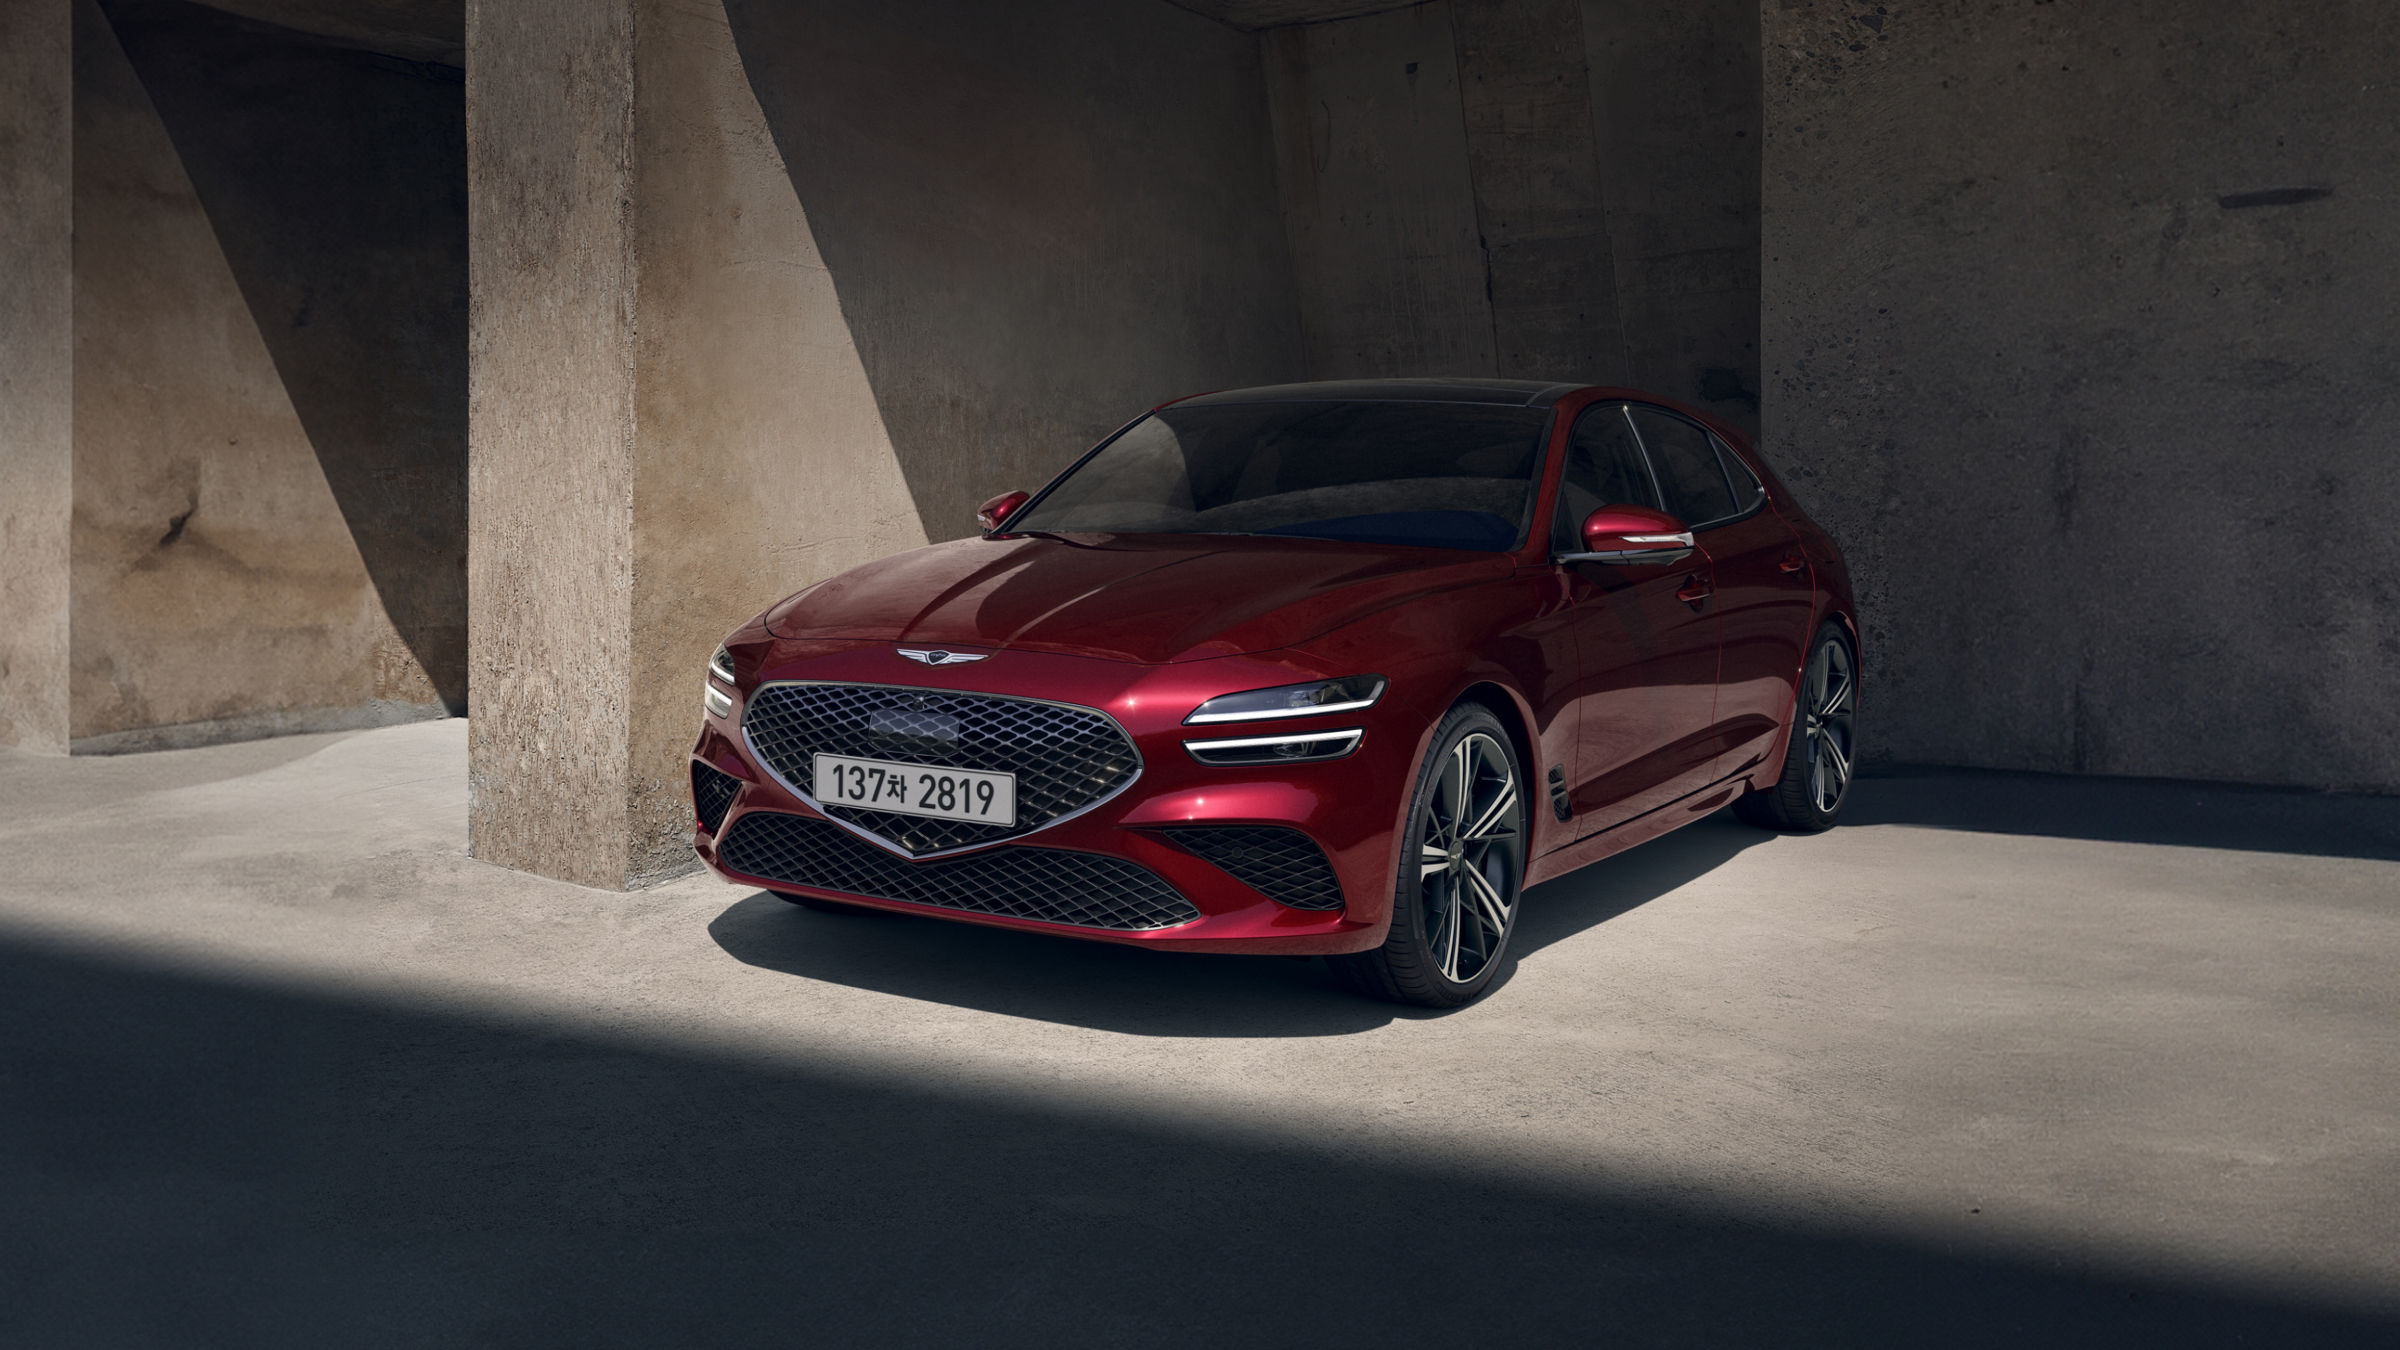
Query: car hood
(1145, 598)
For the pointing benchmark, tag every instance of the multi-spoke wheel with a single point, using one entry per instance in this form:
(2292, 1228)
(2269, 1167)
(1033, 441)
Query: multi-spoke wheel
(1817, 764)
(1462, 866)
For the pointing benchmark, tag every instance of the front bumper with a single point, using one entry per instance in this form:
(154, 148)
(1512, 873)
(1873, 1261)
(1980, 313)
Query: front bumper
(1350, 808)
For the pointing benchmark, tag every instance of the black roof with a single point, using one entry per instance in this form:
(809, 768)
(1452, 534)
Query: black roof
(1512, 393)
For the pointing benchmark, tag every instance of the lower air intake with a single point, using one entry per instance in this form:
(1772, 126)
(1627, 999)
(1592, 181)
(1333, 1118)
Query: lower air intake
(1284, 865)
(1052, 885)
(712, 795)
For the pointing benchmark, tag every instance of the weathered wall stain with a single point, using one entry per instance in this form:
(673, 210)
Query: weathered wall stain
(217, 590)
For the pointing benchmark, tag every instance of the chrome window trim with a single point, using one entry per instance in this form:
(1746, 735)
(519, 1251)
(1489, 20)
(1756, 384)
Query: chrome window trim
(751, 752)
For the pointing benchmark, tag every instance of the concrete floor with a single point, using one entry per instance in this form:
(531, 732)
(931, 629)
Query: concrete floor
(2008, 1060)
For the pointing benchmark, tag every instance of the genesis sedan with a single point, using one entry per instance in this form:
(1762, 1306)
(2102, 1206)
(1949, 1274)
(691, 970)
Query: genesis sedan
(1333, 669)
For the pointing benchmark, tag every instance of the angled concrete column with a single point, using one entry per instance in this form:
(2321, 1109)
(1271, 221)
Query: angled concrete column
(669, 424)
(37, 394)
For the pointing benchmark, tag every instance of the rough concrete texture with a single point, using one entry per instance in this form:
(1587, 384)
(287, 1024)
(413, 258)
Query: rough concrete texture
(752, 459)
(1527, 188)
(1042, 218)
(2011, 1061)
(336, 183)
(1675, 93)
(36, 368)
(1526, 98)
(761, 464)
(2079, 333)
(550, 434)
(216, 586)
(1256, 14)
(419, 30)
(1372, 152)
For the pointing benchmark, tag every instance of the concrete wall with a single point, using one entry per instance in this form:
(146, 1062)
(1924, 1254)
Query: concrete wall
(1675, 95)
(336, 183)
(1041, 217)
(36, 369)
(2079, 330)
(762, 464)
(1529, 188)
(217, 589)
(1371, 144)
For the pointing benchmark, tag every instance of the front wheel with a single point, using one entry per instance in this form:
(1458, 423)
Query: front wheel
(1462, 864)
(1817, 761)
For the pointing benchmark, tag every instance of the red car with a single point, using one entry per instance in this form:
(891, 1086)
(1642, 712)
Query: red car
(1319, 668)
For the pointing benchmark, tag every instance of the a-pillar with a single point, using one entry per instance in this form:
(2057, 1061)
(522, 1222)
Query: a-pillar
(669, 425)
(37, 395)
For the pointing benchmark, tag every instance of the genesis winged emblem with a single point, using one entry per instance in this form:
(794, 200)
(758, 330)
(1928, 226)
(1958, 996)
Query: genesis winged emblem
(938, 657)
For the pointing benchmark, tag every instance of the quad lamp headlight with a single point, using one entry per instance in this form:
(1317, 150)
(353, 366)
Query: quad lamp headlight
(1291, 700)
(717, 701)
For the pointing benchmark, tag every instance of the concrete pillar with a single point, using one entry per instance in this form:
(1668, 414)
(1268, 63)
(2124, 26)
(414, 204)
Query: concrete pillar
(669, 424)
(37, 395)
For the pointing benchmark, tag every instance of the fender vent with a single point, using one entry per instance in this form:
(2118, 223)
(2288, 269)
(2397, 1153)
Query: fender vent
(1558, 791)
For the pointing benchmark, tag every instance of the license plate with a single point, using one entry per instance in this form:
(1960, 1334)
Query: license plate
(917, 789)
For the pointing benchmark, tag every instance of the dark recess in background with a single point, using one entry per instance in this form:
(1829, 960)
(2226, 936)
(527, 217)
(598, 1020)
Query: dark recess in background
(336, 182)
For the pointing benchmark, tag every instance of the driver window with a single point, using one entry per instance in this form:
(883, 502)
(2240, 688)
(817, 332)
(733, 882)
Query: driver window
(1604, 468)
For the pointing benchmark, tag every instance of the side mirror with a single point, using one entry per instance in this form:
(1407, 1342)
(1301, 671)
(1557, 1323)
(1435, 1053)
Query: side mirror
(1625, 533)
(991, 513)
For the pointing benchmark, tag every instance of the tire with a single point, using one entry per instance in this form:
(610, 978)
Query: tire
(1818, 758)
(824, 906)
(1462, 857)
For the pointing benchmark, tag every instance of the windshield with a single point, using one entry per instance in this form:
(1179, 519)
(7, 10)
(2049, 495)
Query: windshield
(1438, 475)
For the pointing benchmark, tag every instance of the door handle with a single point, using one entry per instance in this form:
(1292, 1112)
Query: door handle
(1696, 588)
(1793, 562)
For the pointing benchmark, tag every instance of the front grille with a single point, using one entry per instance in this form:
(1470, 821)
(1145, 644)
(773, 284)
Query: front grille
(1284, 865)
(712, 795)
(1054, 885)
(1065, 758)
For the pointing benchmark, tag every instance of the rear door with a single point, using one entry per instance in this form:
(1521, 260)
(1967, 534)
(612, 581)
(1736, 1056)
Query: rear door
(1763, 597)
(1646, 639)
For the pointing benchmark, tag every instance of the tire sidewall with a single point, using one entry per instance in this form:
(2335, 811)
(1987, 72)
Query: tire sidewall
(1408, 910)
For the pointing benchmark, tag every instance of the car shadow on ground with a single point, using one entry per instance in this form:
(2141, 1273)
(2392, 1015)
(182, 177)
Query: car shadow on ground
(1150, 993)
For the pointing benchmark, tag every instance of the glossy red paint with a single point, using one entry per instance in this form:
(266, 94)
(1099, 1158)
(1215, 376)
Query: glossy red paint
(1661, 690)
(1624, 527)
(991, 514)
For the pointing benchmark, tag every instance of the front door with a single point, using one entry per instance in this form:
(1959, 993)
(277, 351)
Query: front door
(1646, 639)
(1764, 595)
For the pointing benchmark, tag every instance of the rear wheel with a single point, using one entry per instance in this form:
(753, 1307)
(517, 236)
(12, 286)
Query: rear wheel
(1462, 864)
(1817, 762)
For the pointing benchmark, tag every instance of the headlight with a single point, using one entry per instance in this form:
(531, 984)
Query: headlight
(1306, 745)
(715, 700)
(1292, 700)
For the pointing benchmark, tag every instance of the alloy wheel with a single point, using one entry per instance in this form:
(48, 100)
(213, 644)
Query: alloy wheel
(1471, 857)
(1831, 699)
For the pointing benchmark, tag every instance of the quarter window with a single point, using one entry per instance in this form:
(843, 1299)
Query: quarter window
(1604, 468)
(1687, 467)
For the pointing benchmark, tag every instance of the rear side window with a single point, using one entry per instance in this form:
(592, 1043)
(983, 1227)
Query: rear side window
(1687, 467)
(1604, 468)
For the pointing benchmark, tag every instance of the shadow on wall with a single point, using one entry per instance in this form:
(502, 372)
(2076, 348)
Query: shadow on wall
(1132, 991)
(1041, 218)
(201, 1162)
(336, 183)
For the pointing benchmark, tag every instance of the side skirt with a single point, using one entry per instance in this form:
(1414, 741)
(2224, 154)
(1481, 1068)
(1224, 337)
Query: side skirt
(1639, 830)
